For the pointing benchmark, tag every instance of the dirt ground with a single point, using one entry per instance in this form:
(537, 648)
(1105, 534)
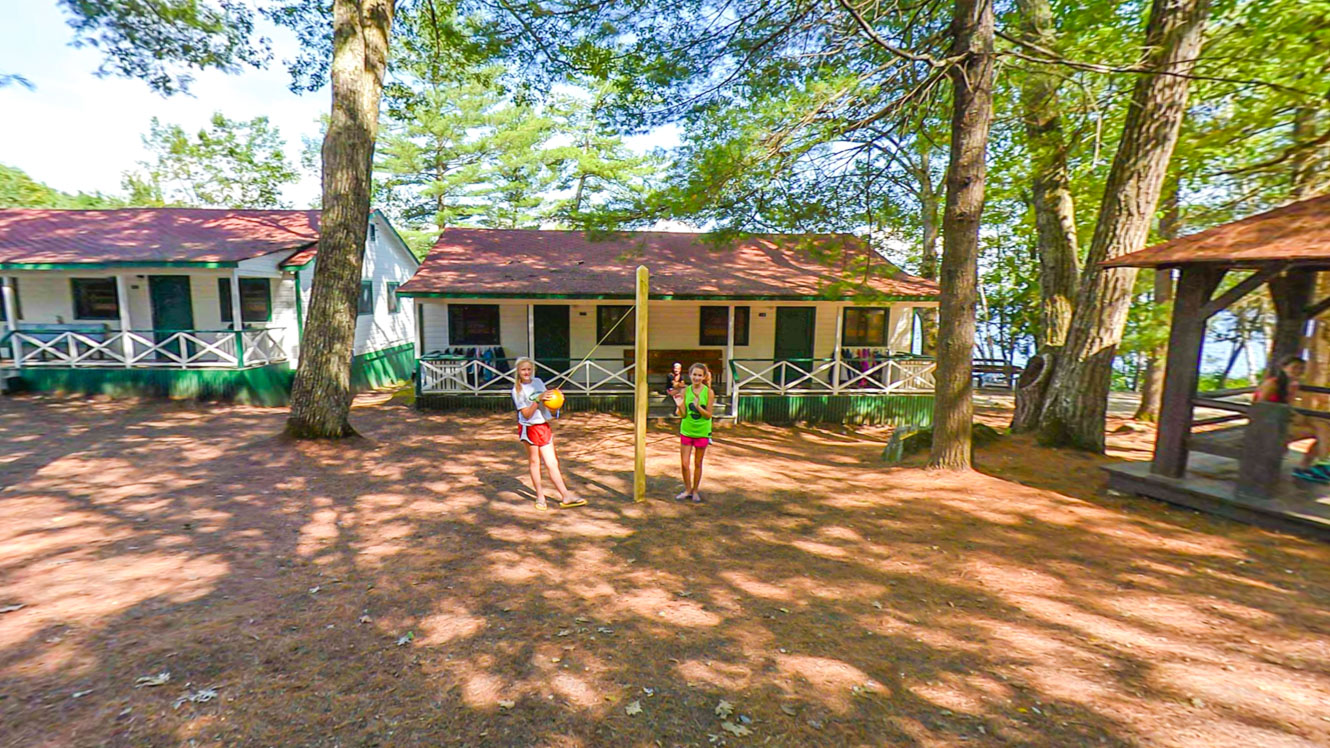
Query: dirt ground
(401, 590)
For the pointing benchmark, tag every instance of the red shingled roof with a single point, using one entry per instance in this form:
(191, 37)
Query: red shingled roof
(39, 236)
(496, 262)
(1296, 232)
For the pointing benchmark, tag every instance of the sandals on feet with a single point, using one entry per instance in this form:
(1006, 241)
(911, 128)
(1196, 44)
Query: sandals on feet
(541, 506)
(683, 496)
(697, 497)
(571, 502)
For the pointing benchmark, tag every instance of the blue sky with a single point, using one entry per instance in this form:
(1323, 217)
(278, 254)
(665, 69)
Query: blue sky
(77, 131)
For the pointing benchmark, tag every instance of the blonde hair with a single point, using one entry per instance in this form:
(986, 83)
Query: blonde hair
(517, 378)
(706, 371)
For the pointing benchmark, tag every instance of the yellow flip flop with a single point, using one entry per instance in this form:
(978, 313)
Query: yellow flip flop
(570, 504)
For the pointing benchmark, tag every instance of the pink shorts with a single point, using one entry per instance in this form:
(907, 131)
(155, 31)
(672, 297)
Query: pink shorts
(701, 442)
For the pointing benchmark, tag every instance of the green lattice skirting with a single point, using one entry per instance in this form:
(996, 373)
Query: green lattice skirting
(385, 368)
(261, 385)
(895, 410)
(851, 409)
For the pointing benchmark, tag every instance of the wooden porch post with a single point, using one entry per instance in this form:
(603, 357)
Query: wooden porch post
(1186, 336)
(1292, 294)
(729, 349)
(236, 323)
(126, 325)
(11, 315)
(531, 330)
(835, 352)
(420, 327)
(642, 304)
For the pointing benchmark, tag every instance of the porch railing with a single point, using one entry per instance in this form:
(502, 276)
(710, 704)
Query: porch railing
(750, 376)
(604, 376)
(159, 349)
(827, 376)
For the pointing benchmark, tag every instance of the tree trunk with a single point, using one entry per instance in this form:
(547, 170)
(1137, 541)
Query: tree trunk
(1055, 215)
(1309, 181)
(1152, 389)
(1078, 395)
(1054, 209)
(972, 114)
(321, 394)
(928, 204)
(1170, 225)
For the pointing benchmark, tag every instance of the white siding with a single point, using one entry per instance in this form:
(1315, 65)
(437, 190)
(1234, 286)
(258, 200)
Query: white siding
(386, 259)
(672, 325)
(435, 316)
(284, 314)
(45, 298)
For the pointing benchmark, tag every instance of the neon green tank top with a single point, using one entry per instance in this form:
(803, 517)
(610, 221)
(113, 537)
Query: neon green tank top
(694, 425)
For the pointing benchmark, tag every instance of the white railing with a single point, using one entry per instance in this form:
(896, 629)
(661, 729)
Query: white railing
(477, 377)
(154, 349)
(750, 376)
(832, 377)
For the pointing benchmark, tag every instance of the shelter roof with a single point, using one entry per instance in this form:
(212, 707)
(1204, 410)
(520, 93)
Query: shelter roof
(1297, 232)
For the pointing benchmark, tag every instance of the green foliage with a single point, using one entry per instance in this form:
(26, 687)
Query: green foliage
(228, 164)
(153, 39)
(18, 190)
(462, 143)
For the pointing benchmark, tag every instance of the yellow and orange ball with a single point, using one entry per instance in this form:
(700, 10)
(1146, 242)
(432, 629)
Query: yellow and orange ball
(553, 399)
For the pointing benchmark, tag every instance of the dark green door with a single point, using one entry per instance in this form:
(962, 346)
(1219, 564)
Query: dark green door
(172, 309)
(551, 331)
(794, 339)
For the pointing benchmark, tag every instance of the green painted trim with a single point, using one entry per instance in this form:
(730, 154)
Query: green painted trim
(108, 265)
(657, 297)
(300, 311)
(261, 385)
(388, 367)
(897, 410)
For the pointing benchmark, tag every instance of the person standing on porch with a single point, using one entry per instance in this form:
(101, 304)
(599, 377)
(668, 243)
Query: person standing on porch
(674, 385)
(695, 430)
(533, 429)
(1283, 387)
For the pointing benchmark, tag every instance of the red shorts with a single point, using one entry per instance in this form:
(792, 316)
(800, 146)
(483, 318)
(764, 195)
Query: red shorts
(537, 434)
(700, 442)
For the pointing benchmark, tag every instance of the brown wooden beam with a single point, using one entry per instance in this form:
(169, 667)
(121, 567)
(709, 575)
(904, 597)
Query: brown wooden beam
(1315, 310)
(1235, 294)
(1185, 338)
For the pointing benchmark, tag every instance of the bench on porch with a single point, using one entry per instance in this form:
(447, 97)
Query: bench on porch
(660, 361)
(986, 371)
(48, 333)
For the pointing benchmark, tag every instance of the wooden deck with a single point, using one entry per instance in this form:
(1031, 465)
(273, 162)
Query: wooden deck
(1208, 486)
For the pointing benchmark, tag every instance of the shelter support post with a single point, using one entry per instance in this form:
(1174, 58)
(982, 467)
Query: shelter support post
(531, 331)
(1292, 294)
(1186, 335)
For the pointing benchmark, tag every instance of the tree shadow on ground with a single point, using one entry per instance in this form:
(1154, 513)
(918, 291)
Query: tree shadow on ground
(402, 590)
